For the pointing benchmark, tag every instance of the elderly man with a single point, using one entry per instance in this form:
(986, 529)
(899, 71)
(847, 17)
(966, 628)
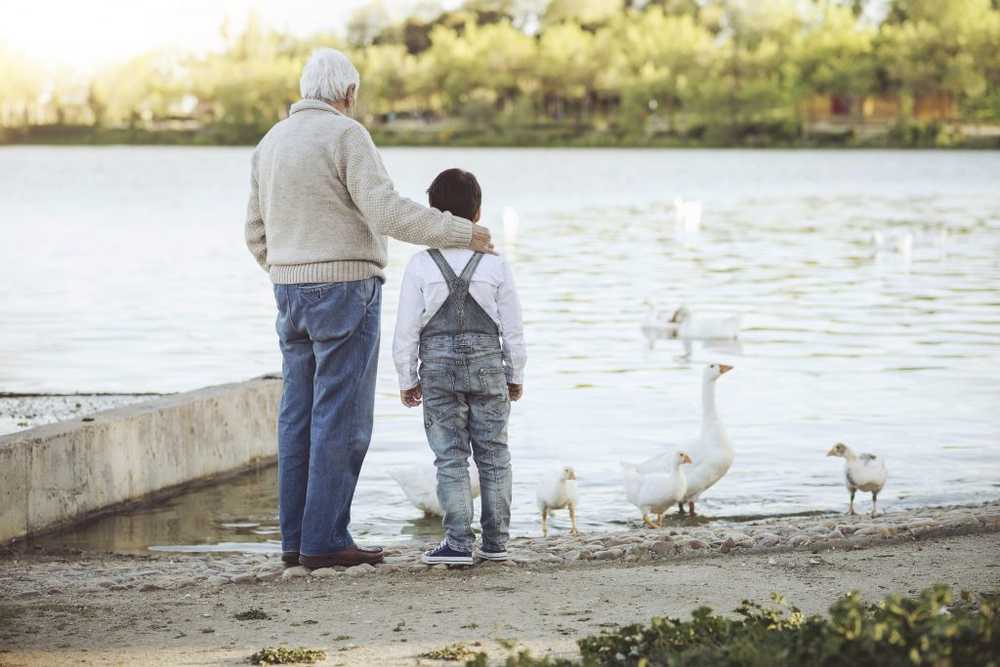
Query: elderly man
(321, 206)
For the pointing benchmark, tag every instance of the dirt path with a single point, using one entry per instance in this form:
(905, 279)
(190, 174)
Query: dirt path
(390, 619)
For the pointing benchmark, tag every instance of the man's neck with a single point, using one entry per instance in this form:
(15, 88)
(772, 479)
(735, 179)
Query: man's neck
(339, 106)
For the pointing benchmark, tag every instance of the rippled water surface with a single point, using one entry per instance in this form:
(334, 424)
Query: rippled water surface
(124, 271)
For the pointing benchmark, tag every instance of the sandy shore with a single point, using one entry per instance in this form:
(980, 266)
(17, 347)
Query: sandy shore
(61, 609)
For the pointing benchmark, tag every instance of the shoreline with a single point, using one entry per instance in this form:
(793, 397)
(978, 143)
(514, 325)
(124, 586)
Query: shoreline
(175, 609)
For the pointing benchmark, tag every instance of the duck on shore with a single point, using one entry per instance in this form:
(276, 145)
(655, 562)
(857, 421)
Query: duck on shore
(557, 492)
(419, 484)
(654, 490)
(862, 472)
(711, 453)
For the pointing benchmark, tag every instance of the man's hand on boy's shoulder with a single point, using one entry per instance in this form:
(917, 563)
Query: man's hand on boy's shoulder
(411, 397)
(516, 391)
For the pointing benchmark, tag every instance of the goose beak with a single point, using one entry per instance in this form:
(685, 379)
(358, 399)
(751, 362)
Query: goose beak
(832, 452)
(723, 369)
(685, 458)
(572, 475)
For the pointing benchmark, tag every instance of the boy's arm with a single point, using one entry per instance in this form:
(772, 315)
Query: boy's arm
(406, 341)
(515, 354)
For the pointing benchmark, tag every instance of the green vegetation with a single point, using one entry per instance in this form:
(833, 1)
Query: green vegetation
(567, 72)
(932, 630)
(252, 614)
(454, 652)
(279, 655)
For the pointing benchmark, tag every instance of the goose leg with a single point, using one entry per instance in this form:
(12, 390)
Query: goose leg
(659, 519)
(572, 520)
(680, 508)
(691, 508)
(545, 522)
(874, 498)
(850, 509)
(646, 520)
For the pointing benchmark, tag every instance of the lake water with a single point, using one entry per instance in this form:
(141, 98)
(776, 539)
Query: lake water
(125, 271)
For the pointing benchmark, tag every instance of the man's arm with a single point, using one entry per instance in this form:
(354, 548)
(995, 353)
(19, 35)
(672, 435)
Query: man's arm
(406, 341)
(392, 215)
(254, 230)
(515, 352)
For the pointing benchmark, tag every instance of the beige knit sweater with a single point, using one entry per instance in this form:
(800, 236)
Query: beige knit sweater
(321, 202)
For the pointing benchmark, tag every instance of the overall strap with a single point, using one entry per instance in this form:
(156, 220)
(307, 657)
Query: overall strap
(442, 264)
(471, 267)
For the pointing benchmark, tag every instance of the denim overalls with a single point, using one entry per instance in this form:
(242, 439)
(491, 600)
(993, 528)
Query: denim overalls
(466, 407)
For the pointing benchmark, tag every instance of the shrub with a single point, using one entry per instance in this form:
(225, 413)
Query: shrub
(932, 629)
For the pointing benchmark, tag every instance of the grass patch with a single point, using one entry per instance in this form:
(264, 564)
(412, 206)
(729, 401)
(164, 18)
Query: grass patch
(280, 655)
(252, 614)
(451, 652)
(934, 629)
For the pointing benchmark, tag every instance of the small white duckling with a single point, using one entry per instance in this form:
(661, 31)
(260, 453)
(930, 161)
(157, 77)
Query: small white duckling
(656, 491)
(862, 472)
(558, 492)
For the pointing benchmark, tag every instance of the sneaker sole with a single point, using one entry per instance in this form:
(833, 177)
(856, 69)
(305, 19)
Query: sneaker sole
(447, 560)
(493, 557)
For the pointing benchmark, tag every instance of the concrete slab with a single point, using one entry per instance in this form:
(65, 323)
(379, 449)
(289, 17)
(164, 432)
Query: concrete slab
(71, 470)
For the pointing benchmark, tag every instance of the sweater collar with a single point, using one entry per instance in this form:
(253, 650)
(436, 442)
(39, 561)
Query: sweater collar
(319, 105)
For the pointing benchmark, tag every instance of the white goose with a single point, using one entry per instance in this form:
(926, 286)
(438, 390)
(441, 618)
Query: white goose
(711, 453)
(511, 226)
(862, 472)
(655, 491)
(688, 325)
(656, 325)
(557, 492)
(419, 484)
(687, 216)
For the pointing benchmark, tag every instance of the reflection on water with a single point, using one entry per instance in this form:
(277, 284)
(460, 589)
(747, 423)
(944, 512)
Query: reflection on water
(891, 348)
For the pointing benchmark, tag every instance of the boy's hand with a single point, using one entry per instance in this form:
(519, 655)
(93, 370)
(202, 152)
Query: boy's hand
(411, 397)
(516, 391)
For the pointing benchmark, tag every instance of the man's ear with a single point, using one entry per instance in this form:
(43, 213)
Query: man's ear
(351, 97)
(475, 218)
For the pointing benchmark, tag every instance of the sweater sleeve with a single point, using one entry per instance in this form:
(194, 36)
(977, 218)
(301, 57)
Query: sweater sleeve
(386, 211)
(254, 228)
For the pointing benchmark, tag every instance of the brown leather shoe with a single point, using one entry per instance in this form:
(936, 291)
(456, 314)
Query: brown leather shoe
(290, 558)
(345, 558)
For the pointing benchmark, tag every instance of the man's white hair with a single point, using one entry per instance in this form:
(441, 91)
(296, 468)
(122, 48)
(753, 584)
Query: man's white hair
(328, 75)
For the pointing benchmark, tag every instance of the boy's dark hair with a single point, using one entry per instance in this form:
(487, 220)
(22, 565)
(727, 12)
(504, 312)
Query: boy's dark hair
(457, 192)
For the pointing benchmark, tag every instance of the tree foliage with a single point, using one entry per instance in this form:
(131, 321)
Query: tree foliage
(721, 70)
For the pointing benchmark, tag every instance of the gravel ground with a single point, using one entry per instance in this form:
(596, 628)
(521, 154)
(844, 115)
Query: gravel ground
(64, 608)
(18, 413)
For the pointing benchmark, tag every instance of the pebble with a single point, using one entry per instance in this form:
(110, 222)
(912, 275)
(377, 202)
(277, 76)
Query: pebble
(324, 573)
(360, 570)
(609, 554)
(697, 544)
(292, 572)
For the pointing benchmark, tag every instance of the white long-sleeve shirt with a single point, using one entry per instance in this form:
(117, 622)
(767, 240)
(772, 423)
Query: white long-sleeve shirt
(424, 291)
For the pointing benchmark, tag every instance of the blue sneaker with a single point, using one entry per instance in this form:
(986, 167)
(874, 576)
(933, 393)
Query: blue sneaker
(492, 553)
(444, 554)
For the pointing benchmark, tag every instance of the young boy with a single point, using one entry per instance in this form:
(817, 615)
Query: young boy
(459, 347)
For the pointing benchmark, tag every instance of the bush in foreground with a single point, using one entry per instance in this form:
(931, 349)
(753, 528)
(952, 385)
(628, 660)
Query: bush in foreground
(932, 629)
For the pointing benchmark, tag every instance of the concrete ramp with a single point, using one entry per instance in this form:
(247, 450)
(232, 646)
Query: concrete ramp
(56, 475)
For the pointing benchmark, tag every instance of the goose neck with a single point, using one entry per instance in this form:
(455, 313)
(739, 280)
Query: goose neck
(708, 413)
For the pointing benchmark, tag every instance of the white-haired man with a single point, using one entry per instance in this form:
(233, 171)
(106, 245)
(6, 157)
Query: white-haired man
(321, 206)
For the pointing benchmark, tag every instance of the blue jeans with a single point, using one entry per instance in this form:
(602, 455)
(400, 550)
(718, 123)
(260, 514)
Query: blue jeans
(466, 407)
(329, 338)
